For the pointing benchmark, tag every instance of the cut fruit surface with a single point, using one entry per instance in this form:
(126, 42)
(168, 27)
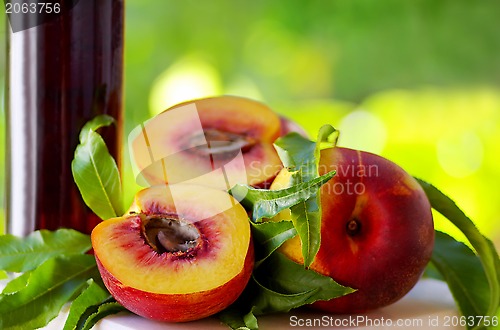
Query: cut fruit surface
(183, 252)
(216, 222)
(210, 141)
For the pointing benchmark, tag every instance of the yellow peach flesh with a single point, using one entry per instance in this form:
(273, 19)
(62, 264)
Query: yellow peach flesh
(124, 253)
(163, 149)
(292, 248)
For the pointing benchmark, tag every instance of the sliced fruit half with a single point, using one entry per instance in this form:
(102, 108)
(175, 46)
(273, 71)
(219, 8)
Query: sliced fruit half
(216, 141)
(182, 253)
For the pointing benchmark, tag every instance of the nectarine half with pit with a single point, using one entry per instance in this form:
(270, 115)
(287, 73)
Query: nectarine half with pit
(377, 232)
(217, 141)
(183, 252)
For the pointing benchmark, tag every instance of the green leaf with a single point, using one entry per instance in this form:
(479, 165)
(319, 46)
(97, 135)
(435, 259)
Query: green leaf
(278, 286)
(91, 296)
(250, 320)
(306, 217)
(327, 137)
(103, 310)
(297, 153)
(283, 285)
(49, 287)
(94, 124)
(301, 156)
(484, 247)
(432, 272)
(17, 283)
(96, 173)
(464, 274)
(23, 254)
(236, 319)
(269, 236)
(268, 203)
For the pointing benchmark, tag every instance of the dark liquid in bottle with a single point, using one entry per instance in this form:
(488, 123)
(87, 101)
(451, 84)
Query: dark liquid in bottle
(61, 74)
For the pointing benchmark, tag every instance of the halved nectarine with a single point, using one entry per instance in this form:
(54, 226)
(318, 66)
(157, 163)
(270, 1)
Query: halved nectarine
(216, 141)
(183, 252)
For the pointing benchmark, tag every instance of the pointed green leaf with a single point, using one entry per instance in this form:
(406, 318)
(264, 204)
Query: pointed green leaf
(103, 310)
(301, 156)
(306, 218)
(17, 283)
(464, 274)
(327, 138)
(484, 247)
(23, 254)
(297, 154)
(268, 203)
(250, 320)
(49, 287)
(284, 285)
(96, 174)
(91, 296)
(279, 286)
(236, 319)
(269, 236)
(94, 124)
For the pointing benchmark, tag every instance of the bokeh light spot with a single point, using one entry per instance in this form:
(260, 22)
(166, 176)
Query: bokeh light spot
(460, 155)
(243, 86)
(187, 79)
(363, 130)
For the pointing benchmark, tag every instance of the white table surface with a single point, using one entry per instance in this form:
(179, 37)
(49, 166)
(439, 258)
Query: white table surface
(429, 302)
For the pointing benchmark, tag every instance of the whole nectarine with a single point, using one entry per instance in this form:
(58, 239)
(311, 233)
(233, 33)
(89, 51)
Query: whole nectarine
(377, 232)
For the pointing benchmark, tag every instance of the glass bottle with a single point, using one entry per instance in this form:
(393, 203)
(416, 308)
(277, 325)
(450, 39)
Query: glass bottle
(60, 74)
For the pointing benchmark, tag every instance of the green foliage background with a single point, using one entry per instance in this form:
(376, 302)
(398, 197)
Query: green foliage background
(415, 81)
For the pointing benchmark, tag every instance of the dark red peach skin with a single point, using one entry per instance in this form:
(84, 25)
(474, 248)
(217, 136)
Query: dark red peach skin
(396, 238)
(179, 307)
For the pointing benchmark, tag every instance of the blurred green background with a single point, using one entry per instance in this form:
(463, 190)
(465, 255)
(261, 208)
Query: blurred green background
(415, 81)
